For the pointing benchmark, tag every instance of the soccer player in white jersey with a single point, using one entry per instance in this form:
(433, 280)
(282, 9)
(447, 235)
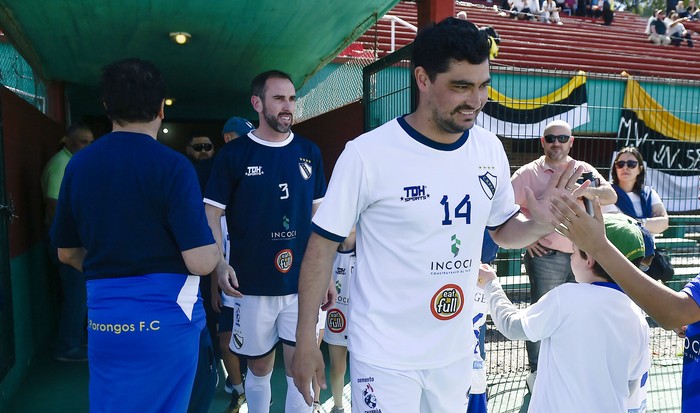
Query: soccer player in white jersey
(594, 355)
(421, 189)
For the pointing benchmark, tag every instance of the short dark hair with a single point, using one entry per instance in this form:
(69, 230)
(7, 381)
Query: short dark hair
(600, 272)
(190, 138)
(75, 127)
(132, 91)
(257, 86)
(639, 182)
(437, 46)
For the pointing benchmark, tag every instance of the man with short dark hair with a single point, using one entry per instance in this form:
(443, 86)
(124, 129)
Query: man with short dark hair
(130, 217)
(199, 148)
(421, 188)
(269, 183)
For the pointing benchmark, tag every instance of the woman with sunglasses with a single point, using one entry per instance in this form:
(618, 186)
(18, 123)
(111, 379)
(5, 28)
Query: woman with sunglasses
(635, 199)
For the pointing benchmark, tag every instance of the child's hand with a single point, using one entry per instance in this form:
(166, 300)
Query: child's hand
(486, 274)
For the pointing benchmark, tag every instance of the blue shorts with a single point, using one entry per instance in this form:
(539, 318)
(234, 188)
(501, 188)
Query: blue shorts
(144, 339)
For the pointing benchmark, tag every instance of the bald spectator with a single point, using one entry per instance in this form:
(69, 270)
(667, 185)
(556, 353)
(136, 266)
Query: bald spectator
(72, 332)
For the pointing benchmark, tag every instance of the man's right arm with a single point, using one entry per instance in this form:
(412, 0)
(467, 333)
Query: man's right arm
(225, 276)
(316, 269)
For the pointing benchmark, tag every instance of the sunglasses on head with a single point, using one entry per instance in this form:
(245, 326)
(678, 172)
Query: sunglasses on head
(200, 147)
(560, 138)
(630, 164)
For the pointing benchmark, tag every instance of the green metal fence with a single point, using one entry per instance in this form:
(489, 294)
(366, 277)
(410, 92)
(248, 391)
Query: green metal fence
(606, 118)
(16, 75)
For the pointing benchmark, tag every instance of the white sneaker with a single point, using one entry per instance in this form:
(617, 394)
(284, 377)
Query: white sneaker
(530, 381)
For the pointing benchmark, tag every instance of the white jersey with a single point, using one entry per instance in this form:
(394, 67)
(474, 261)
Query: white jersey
(595, 340)
(337, 315)
(420, 208)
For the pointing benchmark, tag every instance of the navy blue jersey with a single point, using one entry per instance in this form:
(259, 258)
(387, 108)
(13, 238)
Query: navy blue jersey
(134, 204)
(267, 190)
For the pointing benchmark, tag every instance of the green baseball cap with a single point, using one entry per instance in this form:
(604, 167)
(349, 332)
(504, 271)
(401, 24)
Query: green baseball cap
(624, 233)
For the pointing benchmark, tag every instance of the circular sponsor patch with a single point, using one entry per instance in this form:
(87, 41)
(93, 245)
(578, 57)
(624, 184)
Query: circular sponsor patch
(335, 320)
(447, 302)
(283, 260)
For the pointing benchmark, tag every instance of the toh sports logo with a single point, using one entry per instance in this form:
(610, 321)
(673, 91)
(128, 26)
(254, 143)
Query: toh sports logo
(447, 302)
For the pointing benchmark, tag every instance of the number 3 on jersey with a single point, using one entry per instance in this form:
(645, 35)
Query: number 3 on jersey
(462, 210)
(285, 191)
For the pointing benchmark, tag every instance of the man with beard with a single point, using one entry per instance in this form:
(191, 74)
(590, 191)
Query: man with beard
(421, 188)
(548, 260)
(269, 183)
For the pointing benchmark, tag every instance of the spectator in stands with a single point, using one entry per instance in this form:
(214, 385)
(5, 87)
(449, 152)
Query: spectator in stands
(650, 21)
(671, 5)
(681, 9)
(658, 30)
(671, 309)
(676, 30)
(692, 10)
(525, 10)
(462, 15)
(634, 199)
(607, 12)
(550, 12)
(569, 7)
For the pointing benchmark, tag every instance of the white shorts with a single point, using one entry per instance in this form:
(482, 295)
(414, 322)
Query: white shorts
(259, 322)
(439, 390)
(336, 327)
(321, 323)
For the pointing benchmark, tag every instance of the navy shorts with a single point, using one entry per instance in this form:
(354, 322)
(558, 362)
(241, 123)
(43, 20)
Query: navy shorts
(226, 320)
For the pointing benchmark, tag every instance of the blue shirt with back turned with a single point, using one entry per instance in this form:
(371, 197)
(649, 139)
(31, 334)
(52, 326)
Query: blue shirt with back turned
(133, 204)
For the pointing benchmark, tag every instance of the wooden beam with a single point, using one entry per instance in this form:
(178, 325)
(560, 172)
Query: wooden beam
(433, 11)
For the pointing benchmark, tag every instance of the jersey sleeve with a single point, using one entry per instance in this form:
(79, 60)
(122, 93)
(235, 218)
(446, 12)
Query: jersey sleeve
(345, 199)
(692, 288)
(320, 183)
(185, 213)
(503, 206)
(220, 184)
(543, 318)
(655, 198)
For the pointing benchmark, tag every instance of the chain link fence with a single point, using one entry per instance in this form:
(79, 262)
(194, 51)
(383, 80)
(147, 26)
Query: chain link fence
(16, 75)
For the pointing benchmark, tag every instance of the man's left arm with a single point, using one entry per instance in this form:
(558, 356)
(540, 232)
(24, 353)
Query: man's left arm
(73, 257)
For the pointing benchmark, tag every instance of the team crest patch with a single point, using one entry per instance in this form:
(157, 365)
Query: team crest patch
(368, 396)
(447, 302)
(335, 320)
(305, 169)
(237, 339)
(283, 260)
(488, 183)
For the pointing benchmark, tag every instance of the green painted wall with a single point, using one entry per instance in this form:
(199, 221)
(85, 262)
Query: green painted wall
(35, 310)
